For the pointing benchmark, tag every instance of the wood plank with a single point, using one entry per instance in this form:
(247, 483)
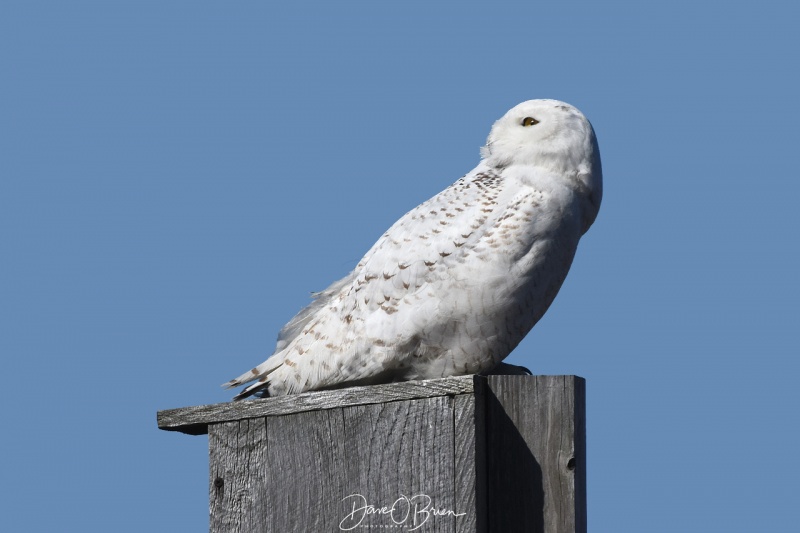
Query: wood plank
(536, 455)
(469, 477)
(306, 471)
(276, 474)
(402, 457)
(302, 471)
(236, 486)
(195, 420)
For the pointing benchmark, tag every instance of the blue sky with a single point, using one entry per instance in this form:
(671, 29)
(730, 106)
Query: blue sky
(177, 177)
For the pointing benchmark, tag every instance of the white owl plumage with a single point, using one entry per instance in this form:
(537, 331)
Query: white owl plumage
(455, 284)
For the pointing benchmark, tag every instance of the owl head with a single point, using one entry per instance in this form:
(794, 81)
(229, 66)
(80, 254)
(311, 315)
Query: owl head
(554, 137)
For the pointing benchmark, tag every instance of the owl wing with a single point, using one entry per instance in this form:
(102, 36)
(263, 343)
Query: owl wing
(401, 285)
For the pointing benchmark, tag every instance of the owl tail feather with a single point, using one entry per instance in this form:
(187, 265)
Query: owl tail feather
(261, 387)
(259, 373)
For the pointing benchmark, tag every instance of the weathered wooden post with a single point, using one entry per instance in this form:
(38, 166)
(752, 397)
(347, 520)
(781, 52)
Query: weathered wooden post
(500, 454)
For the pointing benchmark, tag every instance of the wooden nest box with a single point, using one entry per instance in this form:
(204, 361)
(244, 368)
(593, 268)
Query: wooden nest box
(499, 454)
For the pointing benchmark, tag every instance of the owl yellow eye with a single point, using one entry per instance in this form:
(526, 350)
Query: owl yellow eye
(529, 121)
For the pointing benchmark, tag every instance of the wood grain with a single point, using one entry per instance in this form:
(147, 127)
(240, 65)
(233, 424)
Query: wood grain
(194, 420)
(492, 454)
(537, 458)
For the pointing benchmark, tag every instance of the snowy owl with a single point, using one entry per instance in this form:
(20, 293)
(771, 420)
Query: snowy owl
(455, 284)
